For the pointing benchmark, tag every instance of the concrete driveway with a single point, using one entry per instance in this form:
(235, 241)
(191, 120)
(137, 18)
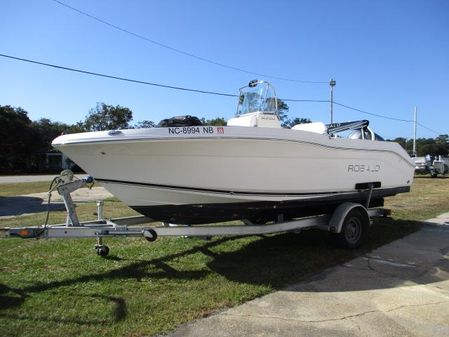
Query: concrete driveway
(401, 289)
(37, 202)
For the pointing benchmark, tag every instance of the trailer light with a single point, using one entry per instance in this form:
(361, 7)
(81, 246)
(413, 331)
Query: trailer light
(24, 233)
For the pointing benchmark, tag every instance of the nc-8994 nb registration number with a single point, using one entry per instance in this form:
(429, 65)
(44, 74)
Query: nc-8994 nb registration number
(193, 130)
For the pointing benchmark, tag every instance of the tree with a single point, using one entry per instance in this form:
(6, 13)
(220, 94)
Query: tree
(442, 139)
(107, 117)
(433, 149)
(18, 141)
(401, 141)
(218, 121)
(433, 146)
(289, 123)
(145, 124)
(46, 131)
(283, 109)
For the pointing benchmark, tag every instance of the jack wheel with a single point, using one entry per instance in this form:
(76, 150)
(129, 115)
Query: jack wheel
(102, 250)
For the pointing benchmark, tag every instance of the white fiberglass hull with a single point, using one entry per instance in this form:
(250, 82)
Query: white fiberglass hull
(163, 172)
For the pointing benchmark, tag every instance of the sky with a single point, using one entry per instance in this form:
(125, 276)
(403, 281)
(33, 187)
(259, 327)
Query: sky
(386, 57)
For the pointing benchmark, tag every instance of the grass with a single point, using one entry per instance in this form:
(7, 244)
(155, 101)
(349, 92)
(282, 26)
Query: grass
(428, 198)
(7, 190)
(61, 288)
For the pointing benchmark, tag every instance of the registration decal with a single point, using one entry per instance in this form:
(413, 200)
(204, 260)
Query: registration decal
(195, 130)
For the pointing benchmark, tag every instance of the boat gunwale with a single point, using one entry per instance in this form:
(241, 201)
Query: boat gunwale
(202, 138)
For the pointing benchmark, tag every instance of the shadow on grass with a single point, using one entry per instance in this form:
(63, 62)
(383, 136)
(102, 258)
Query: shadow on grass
(10, 297)
(118, 312)
(276, 261)
(19, 205)
(430, 177)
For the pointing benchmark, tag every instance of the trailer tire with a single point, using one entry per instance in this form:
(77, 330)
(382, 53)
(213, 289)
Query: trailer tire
(354, 230)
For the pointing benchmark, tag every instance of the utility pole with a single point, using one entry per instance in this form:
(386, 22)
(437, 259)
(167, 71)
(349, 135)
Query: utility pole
(415, 121)
(332, 84)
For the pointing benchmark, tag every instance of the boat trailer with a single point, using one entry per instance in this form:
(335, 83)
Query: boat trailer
(349, 223)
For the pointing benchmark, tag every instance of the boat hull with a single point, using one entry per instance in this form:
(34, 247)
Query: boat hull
(260, 212)
(228, 173)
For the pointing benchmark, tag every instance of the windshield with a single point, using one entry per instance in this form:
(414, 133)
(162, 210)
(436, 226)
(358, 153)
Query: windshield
(258, 96)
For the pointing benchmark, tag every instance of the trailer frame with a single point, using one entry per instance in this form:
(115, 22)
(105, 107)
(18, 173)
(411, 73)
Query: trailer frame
(349, 223)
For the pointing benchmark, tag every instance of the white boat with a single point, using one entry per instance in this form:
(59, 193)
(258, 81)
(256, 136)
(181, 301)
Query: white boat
(250, 169)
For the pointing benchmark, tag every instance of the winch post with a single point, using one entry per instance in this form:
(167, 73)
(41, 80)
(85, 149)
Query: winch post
(64, 190)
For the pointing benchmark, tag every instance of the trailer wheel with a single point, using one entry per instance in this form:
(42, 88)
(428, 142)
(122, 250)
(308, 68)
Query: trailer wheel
(102, 250)
(354, 230)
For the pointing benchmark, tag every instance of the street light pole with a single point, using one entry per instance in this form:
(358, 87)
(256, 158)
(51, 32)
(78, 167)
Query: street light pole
(332, 84)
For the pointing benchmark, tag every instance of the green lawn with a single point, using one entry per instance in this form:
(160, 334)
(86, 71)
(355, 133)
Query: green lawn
(61, 288)
(23, 188)
(428, 198)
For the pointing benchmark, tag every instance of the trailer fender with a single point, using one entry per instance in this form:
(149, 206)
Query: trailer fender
(340, 213)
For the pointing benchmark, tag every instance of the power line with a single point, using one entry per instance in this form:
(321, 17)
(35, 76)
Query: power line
(387, 117)
(373, 114)
(429, 129)
(202, 91)
(306, 100)
(86, 72)
(179, 51)
(119, 78)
